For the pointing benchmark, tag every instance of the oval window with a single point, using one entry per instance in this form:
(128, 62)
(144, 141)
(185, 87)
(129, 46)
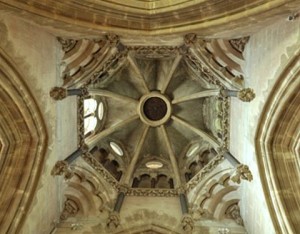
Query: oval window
(100, 111)
(116, 148)
(193, 150)
(154, 165)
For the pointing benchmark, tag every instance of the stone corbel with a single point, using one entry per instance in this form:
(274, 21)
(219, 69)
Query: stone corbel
(113, 221)
(187, 223)
(62, 168)
(242, 173)
(190, 39)
(58, 93)
(246, 95)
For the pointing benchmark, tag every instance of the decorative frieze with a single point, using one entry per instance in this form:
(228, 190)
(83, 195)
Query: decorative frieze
(154, 51)
(101, 170)
(144, 192)
(204, 172)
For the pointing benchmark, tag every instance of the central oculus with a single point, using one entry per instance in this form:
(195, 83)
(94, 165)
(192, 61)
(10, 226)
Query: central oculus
(154, 109)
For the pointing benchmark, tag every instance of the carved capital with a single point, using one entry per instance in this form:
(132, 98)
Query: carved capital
(234, 213)
(190, 39)
(113, 221)
(70, 209)
(123, 188)
(239, 43)
(58, 93)
(62, 168)
(246, 95)
(242, 173)
(67, 44)
(187, 223)
(84, 91)
(84, 148)
(113, 39)
(181, 190)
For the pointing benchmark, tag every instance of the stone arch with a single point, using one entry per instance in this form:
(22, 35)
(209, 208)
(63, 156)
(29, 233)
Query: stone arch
(23, 142)
(277, 146)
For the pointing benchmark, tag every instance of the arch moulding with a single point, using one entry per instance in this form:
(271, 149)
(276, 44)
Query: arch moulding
(23, 142)
(277, 146)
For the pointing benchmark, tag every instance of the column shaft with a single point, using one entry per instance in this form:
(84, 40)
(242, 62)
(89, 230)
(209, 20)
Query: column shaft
(230, 93)
(183, 203)
(234, 162)
(73, 92)
(119, 202)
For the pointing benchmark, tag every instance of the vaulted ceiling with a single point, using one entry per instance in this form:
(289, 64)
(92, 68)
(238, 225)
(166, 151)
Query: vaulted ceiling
(152, 111)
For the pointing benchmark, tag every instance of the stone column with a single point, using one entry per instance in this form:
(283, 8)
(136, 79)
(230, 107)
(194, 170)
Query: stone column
(187, 221)
(114, 218)
(183, 203)
(233, 161)
(59, 93)
(62, 167)
(245, 95)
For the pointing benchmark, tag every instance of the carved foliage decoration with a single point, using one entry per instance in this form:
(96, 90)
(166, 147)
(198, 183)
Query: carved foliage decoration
(70, 209)
(239, 43)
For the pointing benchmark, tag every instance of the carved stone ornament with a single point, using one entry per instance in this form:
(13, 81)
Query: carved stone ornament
(58, 93)
(187, 223)
(154, 51)
(204, 171)
(113, 221)
(67, 44)
(101, 170)
(70, 209)
(123, 188)
(113, 39)
(152, 192)
(84, 91)
(239, 43)
(62, 168)
(234, 213)
(242, 173)
(246, 95)
(190, 39)
(84, 148)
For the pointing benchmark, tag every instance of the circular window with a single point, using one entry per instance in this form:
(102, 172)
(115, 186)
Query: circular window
(116, 148)
(100, 111)
(193, 150)
(154, 165)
